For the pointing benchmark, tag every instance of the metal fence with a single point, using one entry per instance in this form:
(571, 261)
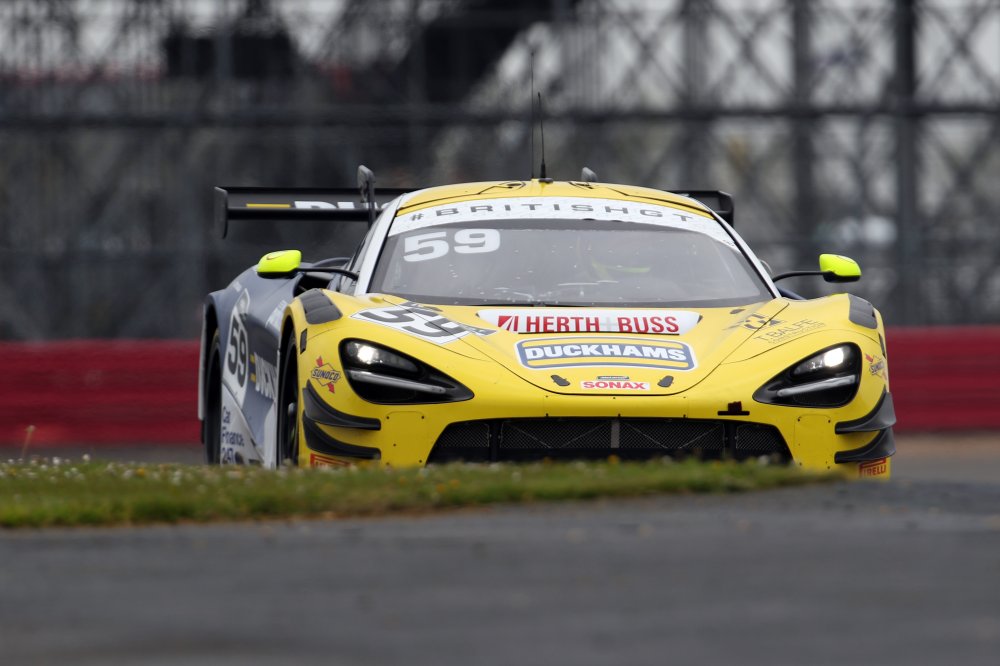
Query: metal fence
(868, 128)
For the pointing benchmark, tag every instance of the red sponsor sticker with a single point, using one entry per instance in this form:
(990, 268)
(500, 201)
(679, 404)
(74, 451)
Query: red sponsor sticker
(874, 467)
(541, 320)
(319, 460)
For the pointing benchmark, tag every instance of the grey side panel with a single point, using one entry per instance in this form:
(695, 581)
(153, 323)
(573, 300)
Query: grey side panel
(249, 313)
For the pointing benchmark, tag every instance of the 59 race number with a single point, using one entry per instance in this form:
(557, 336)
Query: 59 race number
(436, 244)
(237, 353)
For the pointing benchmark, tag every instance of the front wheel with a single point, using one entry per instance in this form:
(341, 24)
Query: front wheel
(287, 443)
(212, 425)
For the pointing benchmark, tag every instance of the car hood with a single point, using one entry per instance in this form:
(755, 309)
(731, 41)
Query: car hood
(649, 351)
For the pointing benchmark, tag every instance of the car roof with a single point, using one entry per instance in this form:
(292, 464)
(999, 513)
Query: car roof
(540, 188)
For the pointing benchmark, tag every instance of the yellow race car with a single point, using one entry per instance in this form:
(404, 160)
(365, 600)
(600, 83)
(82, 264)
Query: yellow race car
(524, 320)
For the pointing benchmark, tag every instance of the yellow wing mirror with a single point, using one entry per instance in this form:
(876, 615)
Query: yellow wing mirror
(838, 268)
(833, 268)
(278, 263)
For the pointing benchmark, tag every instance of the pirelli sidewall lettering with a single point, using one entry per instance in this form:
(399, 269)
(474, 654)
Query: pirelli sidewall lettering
(568, 352)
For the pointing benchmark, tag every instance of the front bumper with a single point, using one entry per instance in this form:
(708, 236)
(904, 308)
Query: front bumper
(510, 421)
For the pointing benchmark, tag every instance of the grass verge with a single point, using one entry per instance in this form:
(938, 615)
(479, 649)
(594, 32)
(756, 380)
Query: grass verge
(50, 492)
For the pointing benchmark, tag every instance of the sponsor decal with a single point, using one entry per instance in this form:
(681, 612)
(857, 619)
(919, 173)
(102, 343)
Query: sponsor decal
(325, 375)
(787, 331)
(560, 208)
(264, 377)
(614, 378)
(755, 322)
(319, 460)
(610, 351)
(274, 321)
(305, 204)
(561, 320)
(237, 444)
(420, 320)
(230, 438)
(230, 456)
(873, 467)
(613, 385)
(876, 365)
(323, 204)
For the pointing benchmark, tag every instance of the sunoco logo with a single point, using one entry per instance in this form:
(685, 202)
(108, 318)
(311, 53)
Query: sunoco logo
(325, 375)
(637, 352)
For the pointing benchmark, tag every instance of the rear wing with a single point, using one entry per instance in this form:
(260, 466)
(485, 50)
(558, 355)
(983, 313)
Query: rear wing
(345, 204)
(719, 202)
(292, 204)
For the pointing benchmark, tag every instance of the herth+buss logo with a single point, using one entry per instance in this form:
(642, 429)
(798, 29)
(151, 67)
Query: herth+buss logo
(605, 351)
(590, 320)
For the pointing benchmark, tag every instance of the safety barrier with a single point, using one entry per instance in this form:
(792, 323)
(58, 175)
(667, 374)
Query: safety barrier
(99, 392)
(945, 378)
(122, 392)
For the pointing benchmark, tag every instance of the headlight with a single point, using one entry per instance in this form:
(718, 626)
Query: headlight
(385, 376)
(830, 361)
(378, 359)
(827, 379)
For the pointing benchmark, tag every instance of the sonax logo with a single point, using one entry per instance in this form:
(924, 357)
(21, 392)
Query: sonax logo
(609, 351)
(613, 385)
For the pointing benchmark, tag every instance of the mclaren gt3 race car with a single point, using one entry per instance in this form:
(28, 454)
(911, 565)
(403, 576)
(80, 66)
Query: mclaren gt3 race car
(508, 321)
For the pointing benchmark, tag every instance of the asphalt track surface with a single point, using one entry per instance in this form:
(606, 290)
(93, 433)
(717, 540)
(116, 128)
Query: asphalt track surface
(905, 572)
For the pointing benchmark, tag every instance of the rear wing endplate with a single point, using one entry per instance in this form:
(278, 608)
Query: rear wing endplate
(719, 202)
(280, 205)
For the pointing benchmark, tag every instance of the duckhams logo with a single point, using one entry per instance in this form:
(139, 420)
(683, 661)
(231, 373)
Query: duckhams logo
(609, 351)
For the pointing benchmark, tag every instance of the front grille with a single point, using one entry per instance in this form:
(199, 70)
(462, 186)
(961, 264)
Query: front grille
(554, 434)
(755, 439)
(468, 435)
(675, 435)
(633, 439)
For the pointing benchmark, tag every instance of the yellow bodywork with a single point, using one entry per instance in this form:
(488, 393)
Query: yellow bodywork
(736, 350)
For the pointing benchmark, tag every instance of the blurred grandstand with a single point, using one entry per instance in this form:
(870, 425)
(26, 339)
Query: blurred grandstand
(864, 127)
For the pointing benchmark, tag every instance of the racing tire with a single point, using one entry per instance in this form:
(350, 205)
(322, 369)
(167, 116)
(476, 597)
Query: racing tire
(289, 399)
(212, 425)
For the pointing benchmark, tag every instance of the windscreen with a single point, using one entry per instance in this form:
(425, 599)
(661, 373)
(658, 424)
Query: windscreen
(572, 260)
